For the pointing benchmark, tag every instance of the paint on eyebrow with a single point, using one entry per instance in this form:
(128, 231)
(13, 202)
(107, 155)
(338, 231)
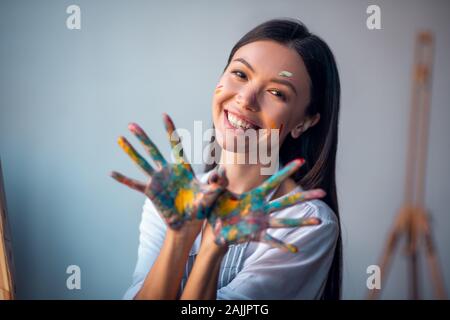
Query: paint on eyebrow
(286, 74)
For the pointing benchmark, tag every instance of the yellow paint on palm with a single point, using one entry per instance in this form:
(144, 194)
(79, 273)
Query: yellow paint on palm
(232, 234)
(225, 207)
(186, 165)
(184, 199)
(246, 210)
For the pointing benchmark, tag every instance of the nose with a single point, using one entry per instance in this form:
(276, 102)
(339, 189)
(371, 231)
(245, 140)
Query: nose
(247, 100)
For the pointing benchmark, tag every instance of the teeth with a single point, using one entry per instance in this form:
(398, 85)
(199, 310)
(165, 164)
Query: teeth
(237, 122)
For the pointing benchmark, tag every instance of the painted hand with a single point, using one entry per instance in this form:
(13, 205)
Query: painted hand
(240, 218)
(178, 195)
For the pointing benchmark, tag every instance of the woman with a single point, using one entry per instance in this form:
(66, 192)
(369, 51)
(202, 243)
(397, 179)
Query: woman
(278, 76)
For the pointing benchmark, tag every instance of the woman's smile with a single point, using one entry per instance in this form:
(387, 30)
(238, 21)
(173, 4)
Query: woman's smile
(234, 120)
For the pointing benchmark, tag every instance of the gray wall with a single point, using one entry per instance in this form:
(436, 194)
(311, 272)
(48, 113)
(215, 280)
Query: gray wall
(65, 96)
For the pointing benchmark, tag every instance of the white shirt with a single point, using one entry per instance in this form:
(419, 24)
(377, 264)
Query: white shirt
(255, 270)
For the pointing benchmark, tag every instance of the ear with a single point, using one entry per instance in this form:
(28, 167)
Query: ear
(303, 126)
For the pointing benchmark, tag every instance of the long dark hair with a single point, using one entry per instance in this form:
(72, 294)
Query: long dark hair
(318, 144)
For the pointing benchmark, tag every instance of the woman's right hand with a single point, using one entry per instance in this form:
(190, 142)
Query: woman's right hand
(179, 196)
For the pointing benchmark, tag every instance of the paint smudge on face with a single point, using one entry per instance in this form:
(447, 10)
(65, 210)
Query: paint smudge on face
(286, 74)
(273, 125)
(218, 89)
(270, 123)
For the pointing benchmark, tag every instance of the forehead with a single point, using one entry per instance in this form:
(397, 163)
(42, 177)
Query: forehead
(269, 58)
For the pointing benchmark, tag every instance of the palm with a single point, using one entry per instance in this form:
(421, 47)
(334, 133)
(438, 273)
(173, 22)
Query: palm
(238, 218)
(246, 217)
(178, 195)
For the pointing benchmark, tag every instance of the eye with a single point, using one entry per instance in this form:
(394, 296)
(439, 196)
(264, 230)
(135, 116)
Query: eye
(279, 94)
(239, 74)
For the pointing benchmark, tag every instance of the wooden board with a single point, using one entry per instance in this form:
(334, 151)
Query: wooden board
(7, 290)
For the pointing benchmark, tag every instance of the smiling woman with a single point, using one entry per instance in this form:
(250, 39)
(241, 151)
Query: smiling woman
(287, 45)
(242, 235)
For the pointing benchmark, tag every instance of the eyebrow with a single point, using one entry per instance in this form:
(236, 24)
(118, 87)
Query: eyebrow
(280, 81)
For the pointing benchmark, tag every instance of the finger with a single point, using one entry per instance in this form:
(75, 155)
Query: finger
(133, 184)
(216, 184)
(135, 156)
(281, 175)
(296, 198)
(289, 222)
(175, 142)
(274, 242)
(219, 177)
(214, 176)
(149, 146)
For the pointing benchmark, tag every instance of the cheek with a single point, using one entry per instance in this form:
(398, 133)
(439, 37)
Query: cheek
(226, 87)
(218, 89)
(273, 118)
(225, 90)
(220, 96)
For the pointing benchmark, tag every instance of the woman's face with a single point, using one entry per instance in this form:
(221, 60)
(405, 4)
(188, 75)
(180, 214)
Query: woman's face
(265, 86)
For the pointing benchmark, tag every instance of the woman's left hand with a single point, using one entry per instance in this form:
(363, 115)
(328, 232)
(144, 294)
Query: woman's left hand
(246, 217)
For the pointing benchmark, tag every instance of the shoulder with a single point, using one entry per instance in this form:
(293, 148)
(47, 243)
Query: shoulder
(315, 208)
(315, 240)
(312, 208)
(319, 209)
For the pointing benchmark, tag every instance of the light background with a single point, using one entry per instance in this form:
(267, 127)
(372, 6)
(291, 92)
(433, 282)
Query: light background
(66, 95)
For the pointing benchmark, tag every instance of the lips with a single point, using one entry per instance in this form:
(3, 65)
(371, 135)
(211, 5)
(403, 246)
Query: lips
(234, 120)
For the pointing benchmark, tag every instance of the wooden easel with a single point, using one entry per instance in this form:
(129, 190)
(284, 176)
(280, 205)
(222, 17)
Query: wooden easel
(412, 219)
(7, 289)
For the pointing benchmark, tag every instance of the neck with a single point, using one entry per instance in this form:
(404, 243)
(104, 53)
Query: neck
(242, 177)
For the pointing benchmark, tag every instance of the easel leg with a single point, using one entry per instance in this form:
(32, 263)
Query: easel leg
(436, 274)
(385, 261)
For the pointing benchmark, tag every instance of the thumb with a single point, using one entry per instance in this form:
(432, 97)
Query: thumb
(219, 177)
